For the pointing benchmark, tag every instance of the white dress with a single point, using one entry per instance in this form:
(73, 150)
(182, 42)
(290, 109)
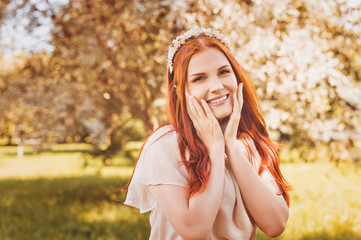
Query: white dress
(160, 163)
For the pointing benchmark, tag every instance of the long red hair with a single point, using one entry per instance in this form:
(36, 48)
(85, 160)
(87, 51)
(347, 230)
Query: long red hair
(251, 123)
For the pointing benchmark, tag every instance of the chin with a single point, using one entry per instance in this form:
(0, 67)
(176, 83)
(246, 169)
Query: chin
(221, 116)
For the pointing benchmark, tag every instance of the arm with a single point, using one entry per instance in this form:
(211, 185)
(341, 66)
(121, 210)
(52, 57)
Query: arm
(268, 210)
(193, 217)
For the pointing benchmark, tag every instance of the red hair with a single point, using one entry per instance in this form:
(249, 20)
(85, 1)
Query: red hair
(251, 123)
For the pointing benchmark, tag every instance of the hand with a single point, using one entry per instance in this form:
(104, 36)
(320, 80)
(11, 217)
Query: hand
(230, 133)
(206, 125)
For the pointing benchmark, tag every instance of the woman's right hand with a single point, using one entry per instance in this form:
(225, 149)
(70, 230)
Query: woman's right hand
(205, 123)
(193, 216)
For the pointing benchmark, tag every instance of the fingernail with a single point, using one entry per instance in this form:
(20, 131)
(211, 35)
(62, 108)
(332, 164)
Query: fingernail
(187, 94)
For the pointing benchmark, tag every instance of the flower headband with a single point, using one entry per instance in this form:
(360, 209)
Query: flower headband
(181, 39)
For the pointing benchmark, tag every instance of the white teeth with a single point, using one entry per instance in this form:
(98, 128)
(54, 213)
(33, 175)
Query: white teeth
(218, 100)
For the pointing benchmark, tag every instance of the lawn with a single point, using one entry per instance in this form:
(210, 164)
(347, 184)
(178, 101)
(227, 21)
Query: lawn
(53, 196)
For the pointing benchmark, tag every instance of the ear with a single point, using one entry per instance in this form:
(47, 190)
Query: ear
(176, 89)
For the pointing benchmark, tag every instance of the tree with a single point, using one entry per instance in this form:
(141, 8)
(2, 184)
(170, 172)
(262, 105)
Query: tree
(108, 67)
(297, 52)
(3, 6)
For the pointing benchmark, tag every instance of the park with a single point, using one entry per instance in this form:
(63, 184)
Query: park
(83, 84)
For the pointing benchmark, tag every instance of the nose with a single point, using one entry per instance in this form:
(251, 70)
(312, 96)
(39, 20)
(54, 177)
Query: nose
(216, 85)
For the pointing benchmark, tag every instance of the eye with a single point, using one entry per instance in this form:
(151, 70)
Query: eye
(197, 79)
(223, 72)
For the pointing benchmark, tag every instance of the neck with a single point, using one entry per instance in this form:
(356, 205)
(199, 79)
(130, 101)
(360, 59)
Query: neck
(223, 123)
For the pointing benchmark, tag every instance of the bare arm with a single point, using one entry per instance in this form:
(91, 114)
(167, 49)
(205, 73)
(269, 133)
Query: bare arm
(193, 217)
(268, 210)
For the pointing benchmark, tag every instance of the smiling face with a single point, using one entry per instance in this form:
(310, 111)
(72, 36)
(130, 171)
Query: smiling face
(210, 77)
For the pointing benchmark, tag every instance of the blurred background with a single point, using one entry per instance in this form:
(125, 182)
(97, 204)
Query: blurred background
(82, 84)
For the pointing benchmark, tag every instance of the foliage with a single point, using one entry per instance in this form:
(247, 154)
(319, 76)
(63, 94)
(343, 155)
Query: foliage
(30, 109)
(3, 5)
(108, 68)
(307, 69)
(51, 196)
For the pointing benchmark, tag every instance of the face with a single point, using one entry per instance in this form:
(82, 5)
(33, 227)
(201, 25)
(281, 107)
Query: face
(210, 77)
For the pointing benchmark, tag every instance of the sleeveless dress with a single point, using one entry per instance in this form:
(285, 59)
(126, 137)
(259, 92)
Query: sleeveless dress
(160, 163)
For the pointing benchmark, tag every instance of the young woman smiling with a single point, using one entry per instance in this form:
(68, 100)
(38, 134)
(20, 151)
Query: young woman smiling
(212, 172)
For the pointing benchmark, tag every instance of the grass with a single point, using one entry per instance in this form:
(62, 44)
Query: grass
(325, 201)
(52, 196)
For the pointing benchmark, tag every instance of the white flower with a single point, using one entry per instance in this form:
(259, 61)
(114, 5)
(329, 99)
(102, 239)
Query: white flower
(181, 39)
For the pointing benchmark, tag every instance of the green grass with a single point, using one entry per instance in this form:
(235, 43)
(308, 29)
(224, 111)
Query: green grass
(52, 196)
(325, 201)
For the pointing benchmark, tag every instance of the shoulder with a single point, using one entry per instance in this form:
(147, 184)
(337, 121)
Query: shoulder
(161, 148)
(164, 138)
(249, 149)
(159, 163)
(160, 158)
(247, 144)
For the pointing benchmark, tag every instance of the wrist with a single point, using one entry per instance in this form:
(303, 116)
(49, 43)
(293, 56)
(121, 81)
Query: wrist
(231, 144)
(217, 151)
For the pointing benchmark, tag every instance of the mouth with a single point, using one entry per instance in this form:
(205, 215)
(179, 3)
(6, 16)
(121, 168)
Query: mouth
(218, 100)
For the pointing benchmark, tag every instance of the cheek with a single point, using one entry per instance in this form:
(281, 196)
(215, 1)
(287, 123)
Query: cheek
(233, 85)
(197, 91)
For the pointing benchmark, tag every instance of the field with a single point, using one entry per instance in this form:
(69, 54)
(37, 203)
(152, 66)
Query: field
(59, 195)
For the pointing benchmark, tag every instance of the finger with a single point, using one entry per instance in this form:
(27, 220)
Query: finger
(198, 107)
(240, 95)
(190, 108)
(235, 102)
(207, 109)
(236, 114)
(236, 111)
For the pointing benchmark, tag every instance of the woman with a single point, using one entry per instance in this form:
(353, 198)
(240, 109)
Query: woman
(213, 172)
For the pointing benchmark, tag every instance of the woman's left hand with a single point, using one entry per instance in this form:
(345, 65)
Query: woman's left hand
(230, 133)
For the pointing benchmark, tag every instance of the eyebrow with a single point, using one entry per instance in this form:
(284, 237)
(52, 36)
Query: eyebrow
(198, 74)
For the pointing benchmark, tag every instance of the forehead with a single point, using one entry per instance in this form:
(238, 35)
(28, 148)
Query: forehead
(206, 60)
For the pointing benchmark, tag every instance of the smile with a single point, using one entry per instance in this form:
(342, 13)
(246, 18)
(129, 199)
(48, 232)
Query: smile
(218, 100)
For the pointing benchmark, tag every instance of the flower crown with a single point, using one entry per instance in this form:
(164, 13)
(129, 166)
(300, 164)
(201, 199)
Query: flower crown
(181, 39)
